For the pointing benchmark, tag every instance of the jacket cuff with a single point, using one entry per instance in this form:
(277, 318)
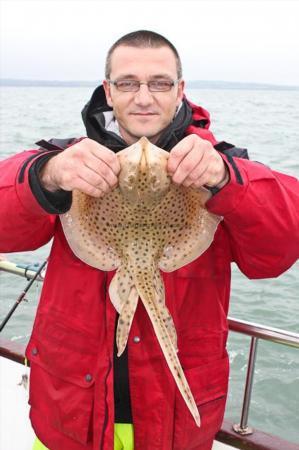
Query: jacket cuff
(229, 196)
(58, 202)
(215, 189)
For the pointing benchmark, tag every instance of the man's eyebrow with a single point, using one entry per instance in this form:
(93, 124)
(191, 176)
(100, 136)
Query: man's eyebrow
(161, 75)
(130, 76)
(126, 76)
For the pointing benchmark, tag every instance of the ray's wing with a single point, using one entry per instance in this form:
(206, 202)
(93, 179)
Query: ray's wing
(91, 230)
(125, 320)
(187, 226)
(120, 287)
(124, 297)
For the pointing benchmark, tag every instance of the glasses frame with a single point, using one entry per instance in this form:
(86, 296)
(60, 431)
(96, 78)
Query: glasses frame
(172, 82)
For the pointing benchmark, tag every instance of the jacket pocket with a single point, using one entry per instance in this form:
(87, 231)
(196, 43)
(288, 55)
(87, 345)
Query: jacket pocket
(208, 384)
(62, 380)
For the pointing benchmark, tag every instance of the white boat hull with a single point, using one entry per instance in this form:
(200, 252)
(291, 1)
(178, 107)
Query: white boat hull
(15, 429)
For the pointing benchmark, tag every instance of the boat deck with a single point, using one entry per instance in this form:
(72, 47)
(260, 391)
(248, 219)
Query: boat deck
(14, 410)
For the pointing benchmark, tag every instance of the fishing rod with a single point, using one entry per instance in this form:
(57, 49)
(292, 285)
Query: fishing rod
(22, 295)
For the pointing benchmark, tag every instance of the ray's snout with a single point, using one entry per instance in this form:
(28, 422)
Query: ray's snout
(143, 175)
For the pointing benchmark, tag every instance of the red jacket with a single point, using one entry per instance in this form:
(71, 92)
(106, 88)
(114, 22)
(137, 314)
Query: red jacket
(71, 347)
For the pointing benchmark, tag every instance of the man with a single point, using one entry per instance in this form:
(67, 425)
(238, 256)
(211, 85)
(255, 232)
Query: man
(79, 388)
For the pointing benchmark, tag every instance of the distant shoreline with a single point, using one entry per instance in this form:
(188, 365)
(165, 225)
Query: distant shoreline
(197, 84)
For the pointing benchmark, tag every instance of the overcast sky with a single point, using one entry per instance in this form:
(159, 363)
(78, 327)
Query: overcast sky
(241, 40)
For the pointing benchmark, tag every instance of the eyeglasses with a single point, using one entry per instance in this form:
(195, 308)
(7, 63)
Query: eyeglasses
(134, 85)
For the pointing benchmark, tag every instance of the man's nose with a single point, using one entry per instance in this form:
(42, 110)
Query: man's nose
(144, 96)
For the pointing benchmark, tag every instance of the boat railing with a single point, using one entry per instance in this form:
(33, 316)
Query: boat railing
(24, 270)
(256, 331)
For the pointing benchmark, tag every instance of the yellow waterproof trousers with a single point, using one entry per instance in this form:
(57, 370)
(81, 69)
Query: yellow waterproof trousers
(123, 438)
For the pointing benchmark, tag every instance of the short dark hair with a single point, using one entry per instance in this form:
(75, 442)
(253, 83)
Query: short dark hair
(143, 39)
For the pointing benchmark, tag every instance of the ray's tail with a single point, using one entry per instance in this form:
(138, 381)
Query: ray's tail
(149, 299)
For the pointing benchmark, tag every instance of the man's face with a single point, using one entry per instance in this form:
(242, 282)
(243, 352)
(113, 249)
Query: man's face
(143, 113)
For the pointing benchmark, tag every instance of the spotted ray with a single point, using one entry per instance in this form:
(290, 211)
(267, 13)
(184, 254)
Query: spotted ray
(147, 223)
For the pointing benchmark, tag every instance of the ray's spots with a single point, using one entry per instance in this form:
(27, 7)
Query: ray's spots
(145, 225)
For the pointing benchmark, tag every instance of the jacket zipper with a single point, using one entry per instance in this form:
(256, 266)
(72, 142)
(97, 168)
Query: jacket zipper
(108, 371)
(106, 409)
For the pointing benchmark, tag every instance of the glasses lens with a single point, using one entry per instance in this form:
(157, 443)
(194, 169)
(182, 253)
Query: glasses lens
(127, 85)
(153, 86)
(160, 85)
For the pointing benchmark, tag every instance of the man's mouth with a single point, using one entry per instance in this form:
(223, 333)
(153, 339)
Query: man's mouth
(143, 113)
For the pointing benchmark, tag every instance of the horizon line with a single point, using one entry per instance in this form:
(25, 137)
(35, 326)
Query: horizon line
(98, 82)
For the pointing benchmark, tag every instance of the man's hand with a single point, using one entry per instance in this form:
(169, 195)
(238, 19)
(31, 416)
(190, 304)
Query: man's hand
(87, 166)
(194, 162)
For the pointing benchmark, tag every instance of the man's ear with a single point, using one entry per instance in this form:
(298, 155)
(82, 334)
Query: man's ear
(106, 87)
(180, 95)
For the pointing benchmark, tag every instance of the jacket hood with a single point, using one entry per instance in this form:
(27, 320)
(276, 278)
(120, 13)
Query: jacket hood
(94, 120)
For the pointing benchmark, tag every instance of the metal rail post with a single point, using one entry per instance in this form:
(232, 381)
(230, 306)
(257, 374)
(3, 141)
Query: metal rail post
(243, 427)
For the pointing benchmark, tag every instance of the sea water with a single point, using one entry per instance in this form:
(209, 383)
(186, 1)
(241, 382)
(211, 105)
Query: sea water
(263, 121)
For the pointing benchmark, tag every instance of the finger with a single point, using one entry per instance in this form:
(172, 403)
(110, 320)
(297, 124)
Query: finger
(108, 157)
(216, 172)
(88, 189)
(103, 170)
(208, 178)
(198, 172)
(202, 181)
(176, 155)
(190, 164)
(82, 151)
(73, 181)
(93, 178)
